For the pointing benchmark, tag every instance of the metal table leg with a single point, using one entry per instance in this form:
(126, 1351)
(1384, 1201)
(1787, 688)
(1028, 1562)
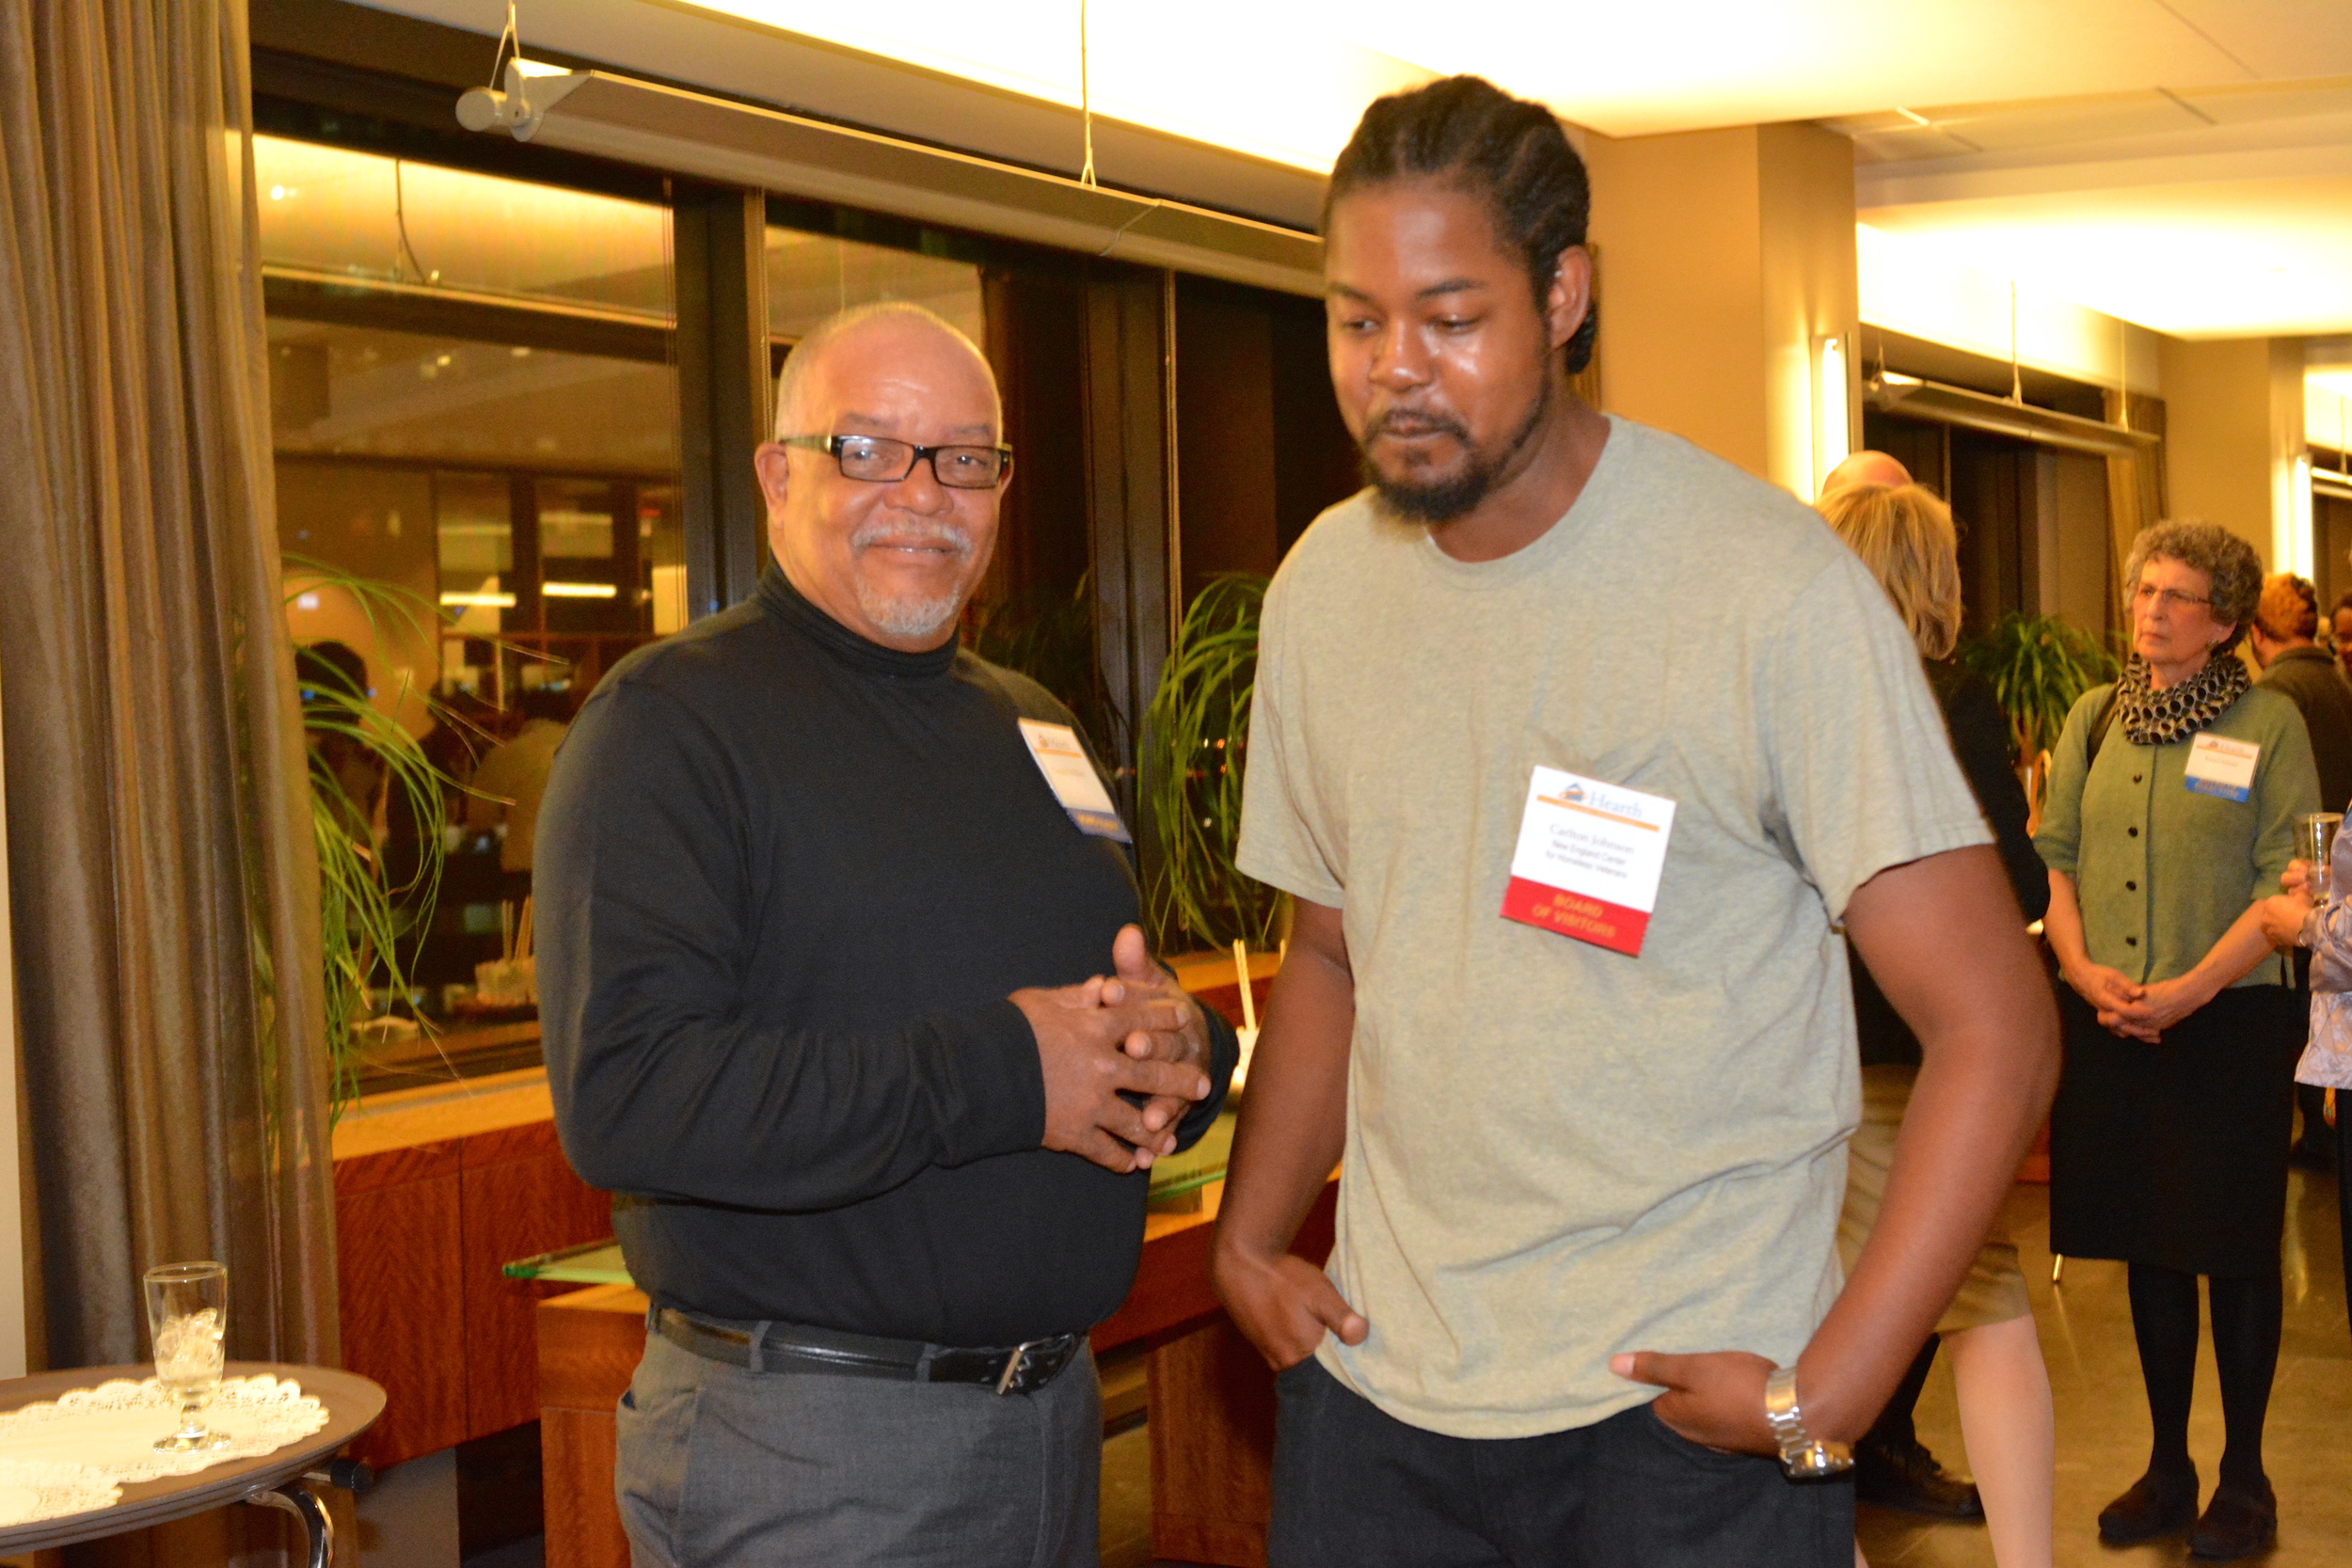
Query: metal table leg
(299, 1500)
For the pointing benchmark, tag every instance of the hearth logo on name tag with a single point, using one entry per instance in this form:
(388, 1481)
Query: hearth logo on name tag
(2221, 767)
(1070, 774)
(1588, 860)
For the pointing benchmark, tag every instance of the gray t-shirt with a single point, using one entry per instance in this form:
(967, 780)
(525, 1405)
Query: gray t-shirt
(1556, 1153)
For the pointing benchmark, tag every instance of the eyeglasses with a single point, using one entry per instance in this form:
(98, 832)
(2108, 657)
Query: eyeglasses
(878, 460)
(2172, 599)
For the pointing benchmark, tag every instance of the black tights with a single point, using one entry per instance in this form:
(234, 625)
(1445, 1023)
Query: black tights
(2247, 1314)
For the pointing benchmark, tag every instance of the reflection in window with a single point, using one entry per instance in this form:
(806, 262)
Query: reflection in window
(352, 390)
(811, 277)
(331, 212)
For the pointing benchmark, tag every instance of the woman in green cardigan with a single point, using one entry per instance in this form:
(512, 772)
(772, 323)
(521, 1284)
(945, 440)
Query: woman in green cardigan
(2172, 813)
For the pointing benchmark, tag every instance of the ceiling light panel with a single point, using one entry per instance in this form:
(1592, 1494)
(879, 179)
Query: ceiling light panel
(1266, 79)
(1631, 70)
(2274, 38)
(2253, 258)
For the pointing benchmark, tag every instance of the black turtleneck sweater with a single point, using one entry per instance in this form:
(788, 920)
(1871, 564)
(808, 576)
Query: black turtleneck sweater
(787, 879)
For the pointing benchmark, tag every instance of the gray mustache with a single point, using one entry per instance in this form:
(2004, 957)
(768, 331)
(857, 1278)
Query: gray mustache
(899, 535)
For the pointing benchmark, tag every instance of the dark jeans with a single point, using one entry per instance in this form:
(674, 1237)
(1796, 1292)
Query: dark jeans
(1356, 1488)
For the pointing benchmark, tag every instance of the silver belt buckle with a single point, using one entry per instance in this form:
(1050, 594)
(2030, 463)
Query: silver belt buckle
(1013, 1363)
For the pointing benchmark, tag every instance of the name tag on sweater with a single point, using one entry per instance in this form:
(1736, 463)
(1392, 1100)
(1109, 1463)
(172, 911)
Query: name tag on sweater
(1588, 860)
(1072, 779)
(2223, 767)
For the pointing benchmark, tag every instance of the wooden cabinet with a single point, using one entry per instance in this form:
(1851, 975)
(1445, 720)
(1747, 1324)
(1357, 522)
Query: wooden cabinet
(434, 1191)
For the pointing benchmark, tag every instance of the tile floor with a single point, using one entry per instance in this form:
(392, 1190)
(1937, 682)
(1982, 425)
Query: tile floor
(2102, 1421)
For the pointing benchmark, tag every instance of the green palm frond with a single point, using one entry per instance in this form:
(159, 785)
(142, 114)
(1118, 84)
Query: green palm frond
(1196, 740)
(2039, 666)
(364, 916)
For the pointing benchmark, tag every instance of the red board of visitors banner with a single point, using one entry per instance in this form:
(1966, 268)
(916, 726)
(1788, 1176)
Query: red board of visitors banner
(1573, 914)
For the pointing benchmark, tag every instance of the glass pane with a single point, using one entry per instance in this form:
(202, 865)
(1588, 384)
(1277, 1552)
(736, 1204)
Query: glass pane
(474, 523)
(586, 528)
(361, 390)
(661, 546)
(811, 277)
(330, 209)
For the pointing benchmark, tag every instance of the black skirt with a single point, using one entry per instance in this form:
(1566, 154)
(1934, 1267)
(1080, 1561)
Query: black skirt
(2176, 1153)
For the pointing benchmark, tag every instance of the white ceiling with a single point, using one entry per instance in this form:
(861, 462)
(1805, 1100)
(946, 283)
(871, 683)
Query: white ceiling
(2183, 163)
(2201, 212)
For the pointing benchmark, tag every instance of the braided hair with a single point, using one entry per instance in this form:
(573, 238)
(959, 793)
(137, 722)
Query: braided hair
(1468, 130)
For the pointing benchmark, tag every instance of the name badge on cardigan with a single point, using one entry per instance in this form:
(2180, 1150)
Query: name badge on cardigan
(1071, 775)
(2223, 767)
(1588, 860)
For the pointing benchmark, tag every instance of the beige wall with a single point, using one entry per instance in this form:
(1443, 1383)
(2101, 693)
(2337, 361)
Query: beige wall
(1722, 255)
(2232, 410)
(1810, 290)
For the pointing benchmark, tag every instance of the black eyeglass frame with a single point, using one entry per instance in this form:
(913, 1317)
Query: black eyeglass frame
(831, 445)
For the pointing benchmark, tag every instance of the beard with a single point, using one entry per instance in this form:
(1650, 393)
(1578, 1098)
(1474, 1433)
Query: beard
(912, 615)
(1431, 501)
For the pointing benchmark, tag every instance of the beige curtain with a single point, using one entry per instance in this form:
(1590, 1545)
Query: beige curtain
(164, 888)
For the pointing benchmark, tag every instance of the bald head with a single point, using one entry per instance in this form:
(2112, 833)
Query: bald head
(893, 559)
(1866, 467)
(886, 330)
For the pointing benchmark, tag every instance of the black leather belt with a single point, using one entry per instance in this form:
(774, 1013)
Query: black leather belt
(778, 1347)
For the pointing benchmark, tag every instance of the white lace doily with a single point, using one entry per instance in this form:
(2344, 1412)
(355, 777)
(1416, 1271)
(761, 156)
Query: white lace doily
(31, 1490)
(111, 1429)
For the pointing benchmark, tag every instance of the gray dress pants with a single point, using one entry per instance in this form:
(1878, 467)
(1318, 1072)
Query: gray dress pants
(720, 1466)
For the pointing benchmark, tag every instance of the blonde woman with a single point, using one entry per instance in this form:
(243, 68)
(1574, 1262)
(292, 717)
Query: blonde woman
(1904, 535)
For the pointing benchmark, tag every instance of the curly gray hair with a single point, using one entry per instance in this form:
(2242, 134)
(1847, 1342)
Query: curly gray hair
(2229, 562)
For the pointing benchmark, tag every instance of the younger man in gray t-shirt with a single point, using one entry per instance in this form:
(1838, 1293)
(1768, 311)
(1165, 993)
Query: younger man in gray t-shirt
(1577, 747)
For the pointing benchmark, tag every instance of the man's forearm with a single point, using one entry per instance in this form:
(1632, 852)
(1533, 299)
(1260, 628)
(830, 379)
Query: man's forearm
(1294, 1119)
(1967, 1130)
(1973, 989)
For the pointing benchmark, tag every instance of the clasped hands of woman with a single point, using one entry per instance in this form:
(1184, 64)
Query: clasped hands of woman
(2143, 1012)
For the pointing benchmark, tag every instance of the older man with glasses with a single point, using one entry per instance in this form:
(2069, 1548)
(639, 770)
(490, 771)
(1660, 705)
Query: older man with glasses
(843, 994)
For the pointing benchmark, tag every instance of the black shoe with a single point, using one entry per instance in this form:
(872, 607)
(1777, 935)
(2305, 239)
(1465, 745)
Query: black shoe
(1906, 1477)
(2239, 1522)
(2155, 1506)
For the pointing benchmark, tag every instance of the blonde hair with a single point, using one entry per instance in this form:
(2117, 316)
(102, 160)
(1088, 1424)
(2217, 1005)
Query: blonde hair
(1905, 536)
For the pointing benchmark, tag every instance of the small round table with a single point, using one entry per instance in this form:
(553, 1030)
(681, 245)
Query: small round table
(272, 1480)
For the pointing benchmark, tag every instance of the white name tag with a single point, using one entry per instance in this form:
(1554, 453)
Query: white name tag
(1072, 779)
(2223, 767)
(1588, 860)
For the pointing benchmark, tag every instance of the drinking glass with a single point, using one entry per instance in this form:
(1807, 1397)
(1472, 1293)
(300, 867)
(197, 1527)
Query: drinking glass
(2315, 842)
(188, 1312)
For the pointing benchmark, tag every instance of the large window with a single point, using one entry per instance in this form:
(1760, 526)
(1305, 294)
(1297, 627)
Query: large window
(471, 397)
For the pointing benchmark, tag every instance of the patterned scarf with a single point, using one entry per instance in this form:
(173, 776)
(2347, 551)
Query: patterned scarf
(2152, 717)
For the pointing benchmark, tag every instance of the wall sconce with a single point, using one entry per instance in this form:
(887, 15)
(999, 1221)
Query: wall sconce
(1831, 444)
(2293, 548)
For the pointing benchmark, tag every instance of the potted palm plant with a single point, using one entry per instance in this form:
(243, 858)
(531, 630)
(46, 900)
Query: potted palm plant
(1192, 761)
(2039, 666)
(357, 752)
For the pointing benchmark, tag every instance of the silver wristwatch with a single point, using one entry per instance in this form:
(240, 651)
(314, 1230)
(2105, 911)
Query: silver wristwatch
(1802, 1456)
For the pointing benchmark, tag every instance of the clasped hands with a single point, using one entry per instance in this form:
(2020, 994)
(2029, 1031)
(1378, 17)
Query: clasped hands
(1134, 1032)
(2136, 1011)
